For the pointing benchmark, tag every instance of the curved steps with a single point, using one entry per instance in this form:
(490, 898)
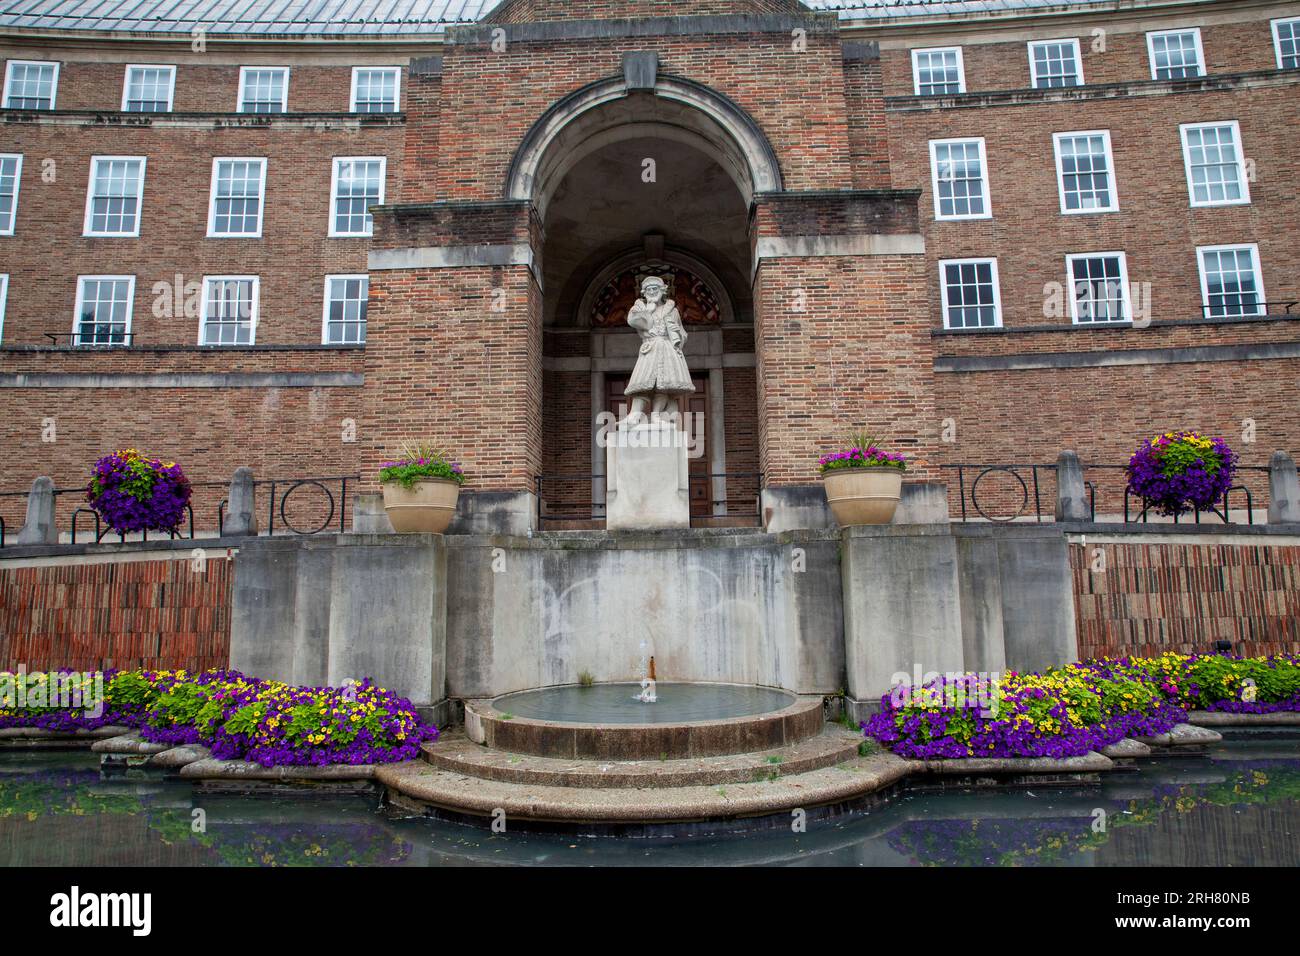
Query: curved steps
(422, 787)
(458, 755)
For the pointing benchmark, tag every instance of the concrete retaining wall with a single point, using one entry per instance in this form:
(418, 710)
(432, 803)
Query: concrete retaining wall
(735, 607)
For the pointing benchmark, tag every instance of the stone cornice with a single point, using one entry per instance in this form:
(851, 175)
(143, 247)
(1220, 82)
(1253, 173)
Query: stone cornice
(1223, 82)
(1102, 358)
(118, 119)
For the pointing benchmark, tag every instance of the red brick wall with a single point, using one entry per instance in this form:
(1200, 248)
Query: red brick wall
(152, 614)
(796, 97)
(1153, 598)
(823, 370)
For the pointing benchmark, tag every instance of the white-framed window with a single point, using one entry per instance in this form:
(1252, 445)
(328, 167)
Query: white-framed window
(238, 190)
(103, 312)
(356, 185)
(1055, 63)
(263, 89)
(376, 89)
(1216, 167)
(148, 89)
(229, 310)
(1085, 172)
(959, 176)
(1286, 42)
(938, 72)
(1099, 290)
(1231, 283)
(11, 175)
(4, 297)
(113, 196)
(1176, 54)
(971, 299)
(31, 85)
(344, 322)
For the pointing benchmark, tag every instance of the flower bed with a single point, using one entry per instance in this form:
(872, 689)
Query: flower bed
(1068, 711)
(238, 717)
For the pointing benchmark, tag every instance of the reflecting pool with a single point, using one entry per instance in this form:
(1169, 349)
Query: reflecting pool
(1239, 805)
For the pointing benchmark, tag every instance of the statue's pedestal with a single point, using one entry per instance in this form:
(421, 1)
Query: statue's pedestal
(647, 481)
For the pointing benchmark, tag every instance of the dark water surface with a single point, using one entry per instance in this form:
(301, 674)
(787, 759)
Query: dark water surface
(1237, 806)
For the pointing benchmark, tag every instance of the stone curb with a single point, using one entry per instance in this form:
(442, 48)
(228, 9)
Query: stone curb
(131, 744)
(1126, 748)
(1091, 762)
(1218, 718)
(1183, 735)
(209, 769)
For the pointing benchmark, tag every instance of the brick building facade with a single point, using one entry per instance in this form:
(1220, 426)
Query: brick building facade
(984, 235)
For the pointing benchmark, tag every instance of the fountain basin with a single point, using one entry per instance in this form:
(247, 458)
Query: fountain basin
(605, 722)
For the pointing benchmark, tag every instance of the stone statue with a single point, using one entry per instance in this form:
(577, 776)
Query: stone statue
(661, 375)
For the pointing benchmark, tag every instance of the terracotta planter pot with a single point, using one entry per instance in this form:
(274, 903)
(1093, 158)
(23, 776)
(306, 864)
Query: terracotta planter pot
(863, 495)
(426, 507)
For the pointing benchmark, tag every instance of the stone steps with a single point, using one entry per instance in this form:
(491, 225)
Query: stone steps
(422, 787)
(454, 753)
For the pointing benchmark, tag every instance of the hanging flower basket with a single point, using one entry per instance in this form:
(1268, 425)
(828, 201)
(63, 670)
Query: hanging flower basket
(1180, 471)
(133, 492)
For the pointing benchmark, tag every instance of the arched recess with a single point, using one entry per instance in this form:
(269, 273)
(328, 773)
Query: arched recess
(606, 112)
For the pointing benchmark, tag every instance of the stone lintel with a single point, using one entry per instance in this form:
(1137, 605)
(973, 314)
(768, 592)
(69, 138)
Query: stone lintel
(1101, 358)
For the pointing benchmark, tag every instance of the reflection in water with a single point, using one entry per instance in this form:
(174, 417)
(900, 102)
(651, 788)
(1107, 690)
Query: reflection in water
(1239, 806)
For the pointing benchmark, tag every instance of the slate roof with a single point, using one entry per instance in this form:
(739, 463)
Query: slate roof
(384, 17)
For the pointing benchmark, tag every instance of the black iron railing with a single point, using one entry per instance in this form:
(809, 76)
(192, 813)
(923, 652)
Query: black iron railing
(1233, 305)
(1133, 514)
(281, 512)
(1026, 476)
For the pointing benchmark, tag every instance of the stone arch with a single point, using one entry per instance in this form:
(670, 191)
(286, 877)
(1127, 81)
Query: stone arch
(607, 111)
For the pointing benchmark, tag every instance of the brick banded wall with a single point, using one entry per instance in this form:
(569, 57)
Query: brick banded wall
(1158, 597)
(128, 614)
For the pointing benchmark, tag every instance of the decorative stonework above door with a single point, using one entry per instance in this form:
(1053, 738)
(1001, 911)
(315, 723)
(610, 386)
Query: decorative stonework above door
(696, 302)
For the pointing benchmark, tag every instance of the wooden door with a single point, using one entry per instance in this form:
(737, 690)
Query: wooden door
(697, 404)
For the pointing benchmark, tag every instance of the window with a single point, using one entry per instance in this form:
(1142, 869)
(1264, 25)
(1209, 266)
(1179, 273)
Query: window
(1099, 288)
(236, 204)
(1085, 172)
(1286, 40)
(376, 89)
(229, 310)
(1230, 280)
(263, 90)
(4, 295)
(103, 310)
(958, 176)
(11, 172)
(31, 85)
(358, 183)
(1216, 169)
(1176, 54)
(113, 197)
(938, 72)
(1055, 63)
(148, 89)
(345, 310)
(970, 294)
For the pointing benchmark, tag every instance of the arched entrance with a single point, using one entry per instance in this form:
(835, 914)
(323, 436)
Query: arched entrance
(629, 183)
